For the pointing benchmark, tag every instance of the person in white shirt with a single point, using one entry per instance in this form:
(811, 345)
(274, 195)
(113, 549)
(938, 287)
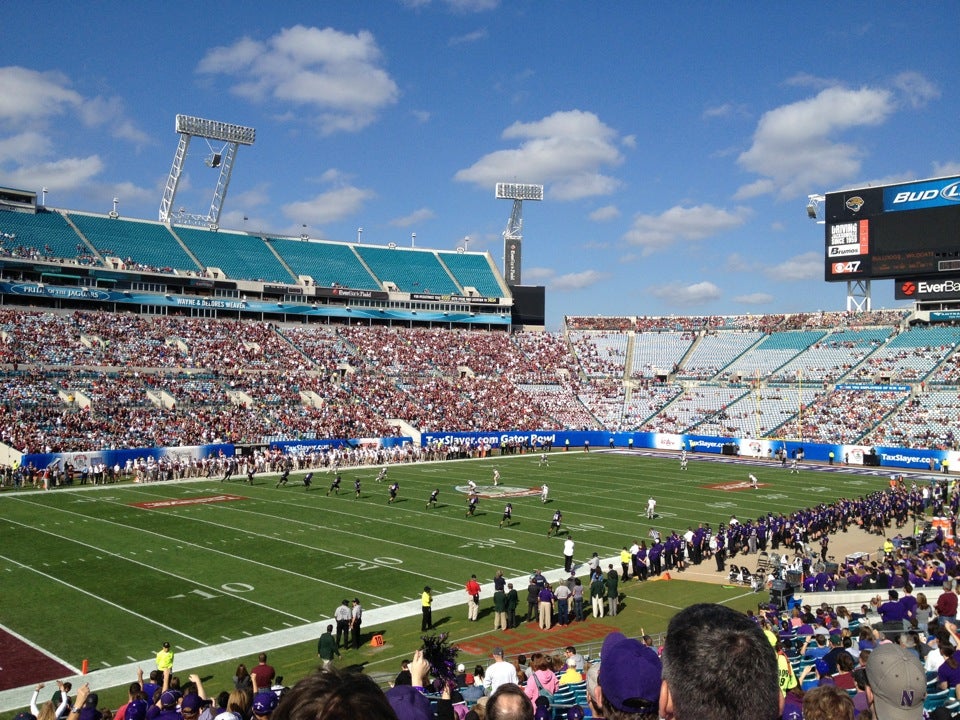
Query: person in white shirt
(499, 672)
(651, 508)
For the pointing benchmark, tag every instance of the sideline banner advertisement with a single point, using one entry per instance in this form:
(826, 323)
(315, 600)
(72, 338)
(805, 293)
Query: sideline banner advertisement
(111, 458)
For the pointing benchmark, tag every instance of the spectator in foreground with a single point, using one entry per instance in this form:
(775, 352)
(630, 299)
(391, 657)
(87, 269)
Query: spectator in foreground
(628, 682)
(827, 702)
(717, 664)
(896, 683)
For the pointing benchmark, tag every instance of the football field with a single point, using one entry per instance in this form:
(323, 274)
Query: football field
(106, 574)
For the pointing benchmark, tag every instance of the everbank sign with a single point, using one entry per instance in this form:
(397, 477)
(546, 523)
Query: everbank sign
(926, 289)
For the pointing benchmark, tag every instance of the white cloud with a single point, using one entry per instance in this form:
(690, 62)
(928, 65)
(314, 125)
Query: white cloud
(757, 298)
(337, 74)
(946, 168)
(417, 216)
(916, 90)
(605, 213)
(470, 37)
(686, 295)
(329, 206)
(794, 147)
(578, 280)
(458, 6)
(656, 232)
(24, 147)
(100, 111)
(28, 95)
(807, 266)
(57, 176)
(566, 150)
(569, 281)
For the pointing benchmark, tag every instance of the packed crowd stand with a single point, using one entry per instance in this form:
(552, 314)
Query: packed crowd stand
(78, 381)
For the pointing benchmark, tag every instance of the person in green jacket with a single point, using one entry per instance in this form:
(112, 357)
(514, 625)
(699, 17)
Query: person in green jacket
(613, 591)
(598, 590)
(327, 647)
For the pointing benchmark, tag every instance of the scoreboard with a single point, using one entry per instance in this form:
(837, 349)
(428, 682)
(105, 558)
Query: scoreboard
(893, 231)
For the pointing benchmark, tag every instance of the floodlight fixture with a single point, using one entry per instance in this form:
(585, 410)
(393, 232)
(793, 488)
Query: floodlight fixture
(232, 136)
(215, 130)
(518, 191)
(814, 206)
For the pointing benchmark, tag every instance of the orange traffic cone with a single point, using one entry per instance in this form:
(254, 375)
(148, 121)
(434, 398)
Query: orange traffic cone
(84, 666)
(666, 576)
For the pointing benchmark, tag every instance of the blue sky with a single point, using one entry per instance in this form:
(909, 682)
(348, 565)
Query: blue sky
(677, 142)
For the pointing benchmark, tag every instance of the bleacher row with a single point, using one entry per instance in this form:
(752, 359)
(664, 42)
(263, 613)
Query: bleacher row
(89, 239)
(82, 380)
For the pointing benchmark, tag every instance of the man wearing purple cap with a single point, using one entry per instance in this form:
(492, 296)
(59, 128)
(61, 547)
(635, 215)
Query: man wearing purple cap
(628, 682)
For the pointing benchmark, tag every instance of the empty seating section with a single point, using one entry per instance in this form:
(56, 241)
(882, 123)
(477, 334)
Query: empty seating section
(601, 354)
(714, 351)
(42, 235)
(238, 255)
(658, 353)
(846, 416)
(929, 420)
(645, 402)
(472, 270)
(141, 245)
(911, 355)
(329, 264)
(691, 408)
(775, 350)
(832, 357)
(760, 412)
(413, 271)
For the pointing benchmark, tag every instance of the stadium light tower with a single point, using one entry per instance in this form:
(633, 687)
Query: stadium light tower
(232, 136)
(815, 208)
(513, 235)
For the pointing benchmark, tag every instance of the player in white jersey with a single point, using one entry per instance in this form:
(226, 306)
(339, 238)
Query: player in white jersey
(496, 477)
(753, 481)
(544, 491)
(651, 508)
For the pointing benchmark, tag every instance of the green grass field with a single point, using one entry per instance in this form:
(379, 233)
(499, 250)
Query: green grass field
(93, 574)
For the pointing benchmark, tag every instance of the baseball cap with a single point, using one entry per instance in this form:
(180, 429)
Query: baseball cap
(169, 698)
(897, 681)
(575, 713)
(409, 704)
(228, 715)
(136, 710)
(497, 651)
(92, 700)
(25, 716)
(630, 674)
(461, 667)
(191, 702)
(265, 702)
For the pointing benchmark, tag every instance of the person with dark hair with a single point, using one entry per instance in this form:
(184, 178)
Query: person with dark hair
(508, 702)
(342, 617)
(262, 673)
(335, 695)
(426, 610)
(327, 647)
(718, 664)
